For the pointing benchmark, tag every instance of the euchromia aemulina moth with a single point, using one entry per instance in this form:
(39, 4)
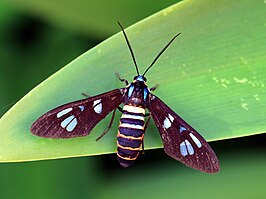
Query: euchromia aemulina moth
(180, 140)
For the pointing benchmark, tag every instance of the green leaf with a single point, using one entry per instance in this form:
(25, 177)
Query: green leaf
(212, 76)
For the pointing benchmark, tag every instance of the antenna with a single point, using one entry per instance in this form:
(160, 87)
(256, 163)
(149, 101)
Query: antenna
(131, 51)
(161, 52)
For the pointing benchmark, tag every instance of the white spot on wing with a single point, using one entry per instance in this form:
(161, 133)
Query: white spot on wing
(189, 147)
(182, 129)
(166, 123)
(171, 117)
(67, 121)
(63, 112)
(81, 108)
(183, 149)
(196, 140)
(72, 125)
(98, 106)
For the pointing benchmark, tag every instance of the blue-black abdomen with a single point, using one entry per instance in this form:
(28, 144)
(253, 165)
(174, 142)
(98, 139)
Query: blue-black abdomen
(130, 134)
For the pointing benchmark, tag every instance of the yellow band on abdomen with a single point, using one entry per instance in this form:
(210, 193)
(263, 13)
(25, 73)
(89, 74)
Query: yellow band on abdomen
(134, 109)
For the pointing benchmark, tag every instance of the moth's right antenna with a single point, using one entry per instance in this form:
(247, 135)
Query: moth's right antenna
(160, 53)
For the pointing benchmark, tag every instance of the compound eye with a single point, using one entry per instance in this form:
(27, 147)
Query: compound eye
(140, 78)
(144, 78)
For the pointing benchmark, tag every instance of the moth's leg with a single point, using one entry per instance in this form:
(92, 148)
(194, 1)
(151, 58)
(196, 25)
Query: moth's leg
(146, 125)
(85, 95)
(109, 126)
(145, 128)
(121, 79)
(120, 109)
(153, 88)
(147, 114)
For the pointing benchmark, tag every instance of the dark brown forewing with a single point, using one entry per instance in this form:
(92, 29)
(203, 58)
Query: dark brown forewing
(77, 118)
(180, 140)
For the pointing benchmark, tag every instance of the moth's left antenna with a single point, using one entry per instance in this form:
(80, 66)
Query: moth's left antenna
(131, 51)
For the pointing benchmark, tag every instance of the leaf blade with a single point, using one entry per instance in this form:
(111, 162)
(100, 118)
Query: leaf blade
(212, 77)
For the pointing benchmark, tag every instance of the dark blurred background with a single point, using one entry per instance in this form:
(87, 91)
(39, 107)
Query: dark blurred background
(34, 44)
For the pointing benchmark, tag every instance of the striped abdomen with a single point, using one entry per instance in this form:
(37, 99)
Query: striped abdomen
(130, 134)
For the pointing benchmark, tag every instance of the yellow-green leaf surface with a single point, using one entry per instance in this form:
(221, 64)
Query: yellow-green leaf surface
(213, 76)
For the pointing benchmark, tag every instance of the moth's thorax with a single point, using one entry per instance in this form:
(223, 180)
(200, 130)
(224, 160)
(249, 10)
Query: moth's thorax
(137, 93)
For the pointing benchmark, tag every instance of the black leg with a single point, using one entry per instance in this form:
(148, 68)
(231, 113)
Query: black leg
(109, 126)
(153, 88)
(120, 109)
(147, 114)
(145, 128)
(85, 95)
(122, 80)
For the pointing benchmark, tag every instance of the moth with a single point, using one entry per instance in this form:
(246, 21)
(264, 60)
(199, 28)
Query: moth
(181, 141)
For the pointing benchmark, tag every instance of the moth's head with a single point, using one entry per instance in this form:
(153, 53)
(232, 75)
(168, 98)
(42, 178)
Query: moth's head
(140, 78)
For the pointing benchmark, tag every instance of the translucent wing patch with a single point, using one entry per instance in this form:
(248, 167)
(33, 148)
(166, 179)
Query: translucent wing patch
(77, 118)
(180, 140)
